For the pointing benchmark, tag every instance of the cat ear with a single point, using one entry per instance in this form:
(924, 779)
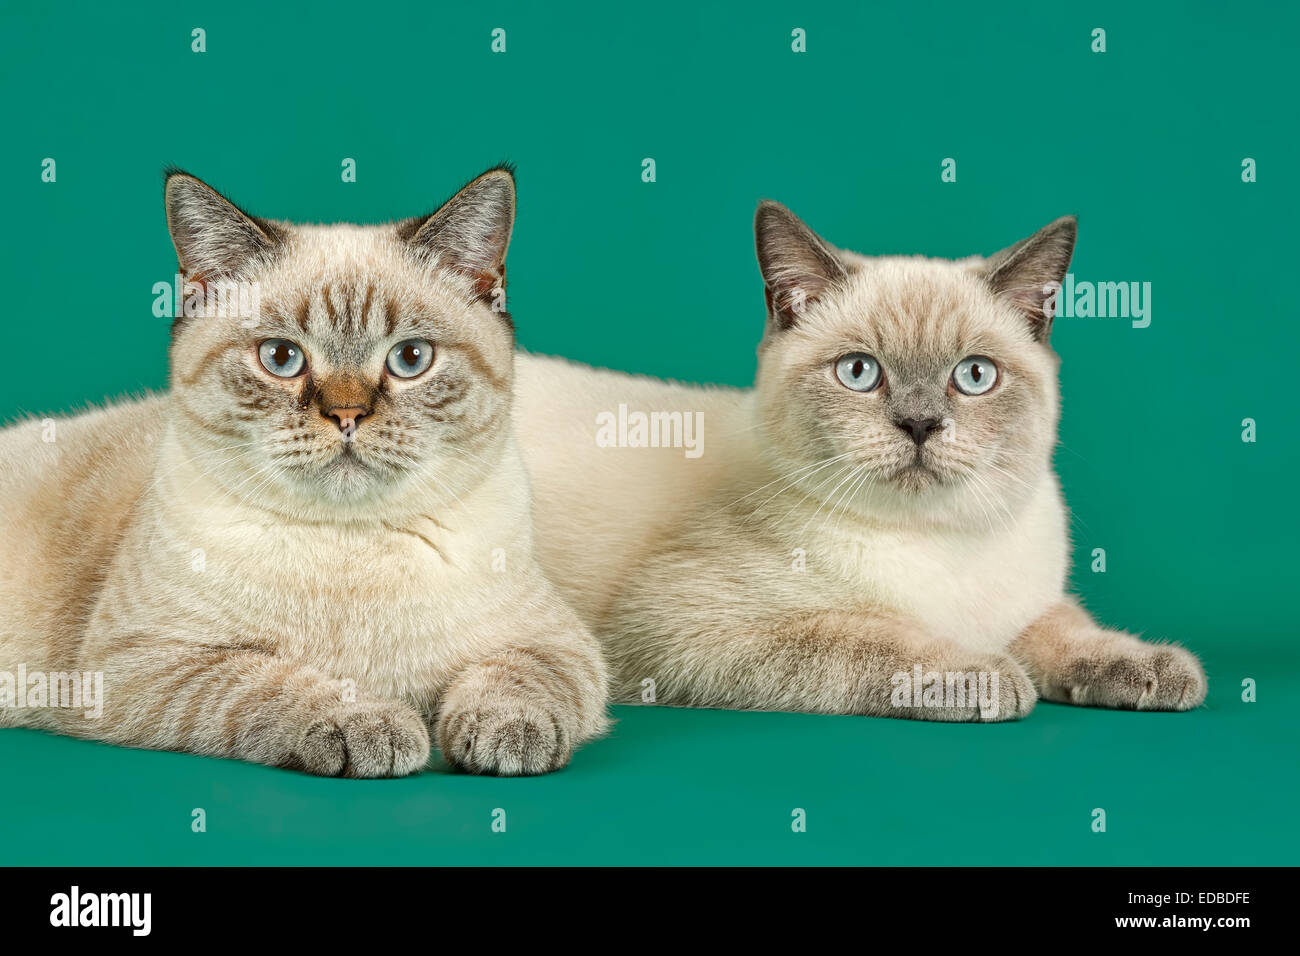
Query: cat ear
(798, 266)
(211, 234)
(471, 231)
(1029, 273)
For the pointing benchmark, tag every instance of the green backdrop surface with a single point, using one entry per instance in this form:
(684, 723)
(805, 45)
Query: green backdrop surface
(1145, 142)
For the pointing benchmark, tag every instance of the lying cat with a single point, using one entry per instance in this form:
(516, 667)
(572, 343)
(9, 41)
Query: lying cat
(316, 547)
(880, 508)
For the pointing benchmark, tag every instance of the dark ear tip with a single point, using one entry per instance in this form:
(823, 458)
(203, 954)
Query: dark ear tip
(174, 175)
(177, 182)
(502, 172)
(499, 178)
(770, 211)
(174, 181)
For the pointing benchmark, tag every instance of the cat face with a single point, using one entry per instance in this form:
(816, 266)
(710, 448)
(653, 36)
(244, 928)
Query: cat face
(908, 385)
(378, 360)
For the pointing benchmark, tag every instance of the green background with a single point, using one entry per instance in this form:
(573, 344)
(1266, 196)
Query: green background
(1143, 142)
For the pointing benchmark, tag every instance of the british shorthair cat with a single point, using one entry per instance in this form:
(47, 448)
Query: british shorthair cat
(874, 528)
(315, 550)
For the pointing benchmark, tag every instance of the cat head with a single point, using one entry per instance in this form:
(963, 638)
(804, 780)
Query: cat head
(921, 388)
(332, 367)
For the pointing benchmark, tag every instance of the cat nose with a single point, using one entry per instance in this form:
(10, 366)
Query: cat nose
(347, 418)
(919, 427)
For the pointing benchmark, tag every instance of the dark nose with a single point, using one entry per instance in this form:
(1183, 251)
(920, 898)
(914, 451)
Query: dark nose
(347, 418)
(919, 427)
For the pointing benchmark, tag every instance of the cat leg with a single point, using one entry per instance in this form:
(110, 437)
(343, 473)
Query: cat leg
(523, 709)
(828, 662)
(249, 705)
(1074, 660)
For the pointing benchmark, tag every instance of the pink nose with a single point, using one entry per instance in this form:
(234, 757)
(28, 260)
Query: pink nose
(347, 418)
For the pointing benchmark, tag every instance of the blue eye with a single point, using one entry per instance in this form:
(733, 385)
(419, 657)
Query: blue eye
(858, 371)
(975, 375)
(408, 359)
(282, 358)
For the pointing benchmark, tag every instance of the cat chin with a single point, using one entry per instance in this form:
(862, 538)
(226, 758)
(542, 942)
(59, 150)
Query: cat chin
(915, 478)
(352, 481)
(345, 481)
(351, 487)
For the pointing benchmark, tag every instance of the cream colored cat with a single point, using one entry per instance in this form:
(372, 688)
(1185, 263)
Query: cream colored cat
(316, 547)
(881, 507)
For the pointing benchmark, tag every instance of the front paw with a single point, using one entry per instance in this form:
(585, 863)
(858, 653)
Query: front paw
(1144, 677)
(507, 737)
(984, 689)
(365, 739)
(1016, 694)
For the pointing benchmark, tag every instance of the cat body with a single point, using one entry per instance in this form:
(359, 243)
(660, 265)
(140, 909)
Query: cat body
(833, 537)
(607, 511)
(312, 570)
(399, 602)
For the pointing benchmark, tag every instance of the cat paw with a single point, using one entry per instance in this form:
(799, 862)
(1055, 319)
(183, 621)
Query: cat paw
(1010, 693)
(987, 689)
(1016, 694)
(365, 739)
(505, 738)
(1148, 677)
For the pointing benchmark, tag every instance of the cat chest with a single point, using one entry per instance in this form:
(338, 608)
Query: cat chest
(392, 613)
(978, 594)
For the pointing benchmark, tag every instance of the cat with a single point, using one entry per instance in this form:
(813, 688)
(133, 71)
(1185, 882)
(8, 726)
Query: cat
(315, 549)
(878, 514)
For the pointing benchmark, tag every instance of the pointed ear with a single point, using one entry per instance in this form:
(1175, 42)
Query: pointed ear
(471, 232)
(1029, 273)
(798, 266)
(211, 234)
